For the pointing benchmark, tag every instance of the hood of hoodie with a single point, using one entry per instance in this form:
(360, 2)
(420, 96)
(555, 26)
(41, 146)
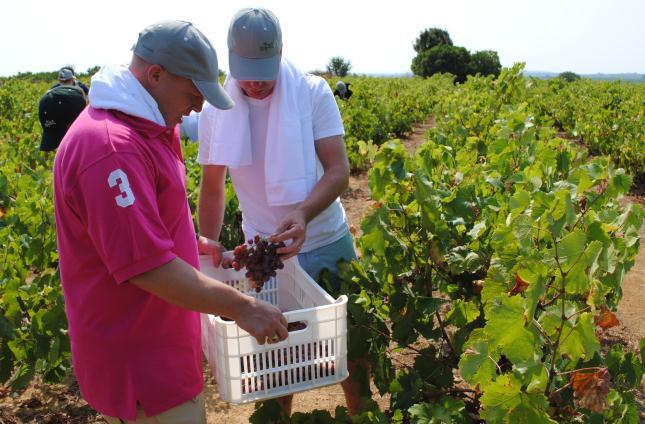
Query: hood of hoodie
(116, 88)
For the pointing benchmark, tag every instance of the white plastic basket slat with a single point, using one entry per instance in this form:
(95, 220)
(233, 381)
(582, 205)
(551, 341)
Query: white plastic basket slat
(313, 357)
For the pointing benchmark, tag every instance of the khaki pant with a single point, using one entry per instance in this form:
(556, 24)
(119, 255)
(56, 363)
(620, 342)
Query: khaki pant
(191, 412)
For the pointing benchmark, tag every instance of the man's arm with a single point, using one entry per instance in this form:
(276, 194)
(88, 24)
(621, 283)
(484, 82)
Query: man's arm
(211, 207)
(181, 285)
(332, 156)
(212, 201)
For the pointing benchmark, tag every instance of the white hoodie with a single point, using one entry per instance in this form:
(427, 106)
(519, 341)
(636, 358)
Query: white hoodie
(115, 87)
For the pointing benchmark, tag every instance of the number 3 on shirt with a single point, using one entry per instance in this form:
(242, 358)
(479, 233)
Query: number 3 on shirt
(126, 198)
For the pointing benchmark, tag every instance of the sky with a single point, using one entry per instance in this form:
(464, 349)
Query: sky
(592, 36)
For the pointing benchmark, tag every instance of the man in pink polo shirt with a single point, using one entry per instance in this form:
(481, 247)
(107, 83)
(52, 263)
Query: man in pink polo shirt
(128, 255)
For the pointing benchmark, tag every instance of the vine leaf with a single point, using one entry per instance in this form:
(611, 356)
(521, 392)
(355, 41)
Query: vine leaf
(477, 364)
(590, 389)
(444, 410)
(505, 330)
(520, 286)
(606, 319)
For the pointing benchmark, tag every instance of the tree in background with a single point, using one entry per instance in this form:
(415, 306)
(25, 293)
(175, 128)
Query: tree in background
(431, 37)
(338, 66)
(569, 76)
(91, 71)
(437, 54)
(485, 62)
(443, 59)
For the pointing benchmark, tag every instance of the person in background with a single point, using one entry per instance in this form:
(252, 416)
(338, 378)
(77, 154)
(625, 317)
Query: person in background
(342, 90)
(67, 76)
(126, 242)
(57, 109)
(188, 126)
(283, 147)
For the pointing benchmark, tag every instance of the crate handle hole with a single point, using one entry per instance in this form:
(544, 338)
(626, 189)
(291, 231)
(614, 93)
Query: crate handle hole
(297, 326)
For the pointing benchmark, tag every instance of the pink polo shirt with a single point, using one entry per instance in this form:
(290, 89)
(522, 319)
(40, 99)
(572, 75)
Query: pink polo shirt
(121, 210)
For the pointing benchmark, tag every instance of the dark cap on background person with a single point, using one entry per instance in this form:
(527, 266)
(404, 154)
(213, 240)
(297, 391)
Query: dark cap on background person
(254, 45)
(57, 109)
(183, 50)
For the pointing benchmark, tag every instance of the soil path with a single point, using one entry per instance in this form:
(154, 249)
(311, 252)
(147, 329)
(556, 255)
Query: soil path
(631, 309)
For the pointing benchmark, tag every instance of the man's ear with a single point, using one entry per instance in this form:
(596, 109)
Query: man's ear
(154, 74)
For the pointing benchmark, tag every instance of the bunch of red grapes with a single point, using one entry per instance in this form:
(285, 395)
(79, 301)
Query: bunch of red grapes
(259, 257)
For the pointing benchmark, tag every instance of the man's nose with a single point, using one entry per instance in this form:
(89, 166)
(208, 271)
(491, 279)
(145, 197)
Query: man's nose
(257, 84)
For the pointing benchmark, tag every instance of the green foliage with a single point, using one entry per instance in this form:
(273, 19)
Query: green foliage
(485, 62)
(339, 66)
(444, 410)
(486, 262)
(569, 76)
(90, 71)
(523, 238)
(382, 108)
(431, 37)
(231, 234)
(443, 59)
(33, 328)
(436, 54)
(606, 116)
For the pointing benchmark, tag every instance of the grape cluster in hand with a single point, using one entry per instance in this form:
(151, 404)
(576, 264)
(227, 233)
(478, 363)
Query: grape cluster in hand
(259, 257)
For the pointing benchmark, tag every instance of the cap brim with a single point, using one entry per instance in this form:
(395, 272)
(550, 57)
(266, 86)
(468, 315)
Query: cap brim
(214, 94)
(50, 141)
(245, 69)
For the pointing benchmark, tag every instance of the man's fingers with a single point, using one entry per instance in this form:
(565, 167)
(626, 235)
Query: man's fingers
(279, 234)
(282, 236)
(210, 247)
(292, 248)
(291, 232)
(217, 257)
(282, 332)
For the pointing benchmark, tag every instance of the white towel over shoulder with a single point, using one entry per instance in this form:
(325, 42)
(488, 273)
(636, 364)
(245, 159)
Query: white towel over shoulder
(290, 159)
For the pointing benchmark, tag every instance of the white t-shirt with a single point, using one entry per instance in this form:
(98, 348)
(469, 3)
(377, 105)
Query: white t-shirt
(249, 181)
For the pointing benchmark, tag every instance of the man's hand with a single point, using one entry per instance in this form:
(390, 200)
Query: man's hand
(180, 284)
(263, 321)
(293, 227)
(332, 156)
(206, 246)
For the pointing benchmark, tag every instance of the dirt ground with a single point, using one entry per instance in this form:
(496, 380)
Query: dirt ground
(62, 403)
(631, 309)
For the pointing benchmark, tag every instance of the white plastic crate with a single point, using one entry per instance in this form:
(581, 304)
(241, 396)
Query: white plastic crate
(315, 356)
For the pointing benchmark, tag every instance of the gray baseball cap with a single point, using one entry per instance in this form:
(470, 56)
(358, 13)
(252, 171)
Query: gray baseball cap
(65, 74)
(184, 51)
(254, 45)
(341, 87)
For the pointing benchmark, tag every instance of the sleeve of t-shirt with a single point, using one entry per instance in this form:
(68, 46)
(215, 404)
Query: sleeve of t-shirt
(116, 198)
(204, 133)
(327, 121)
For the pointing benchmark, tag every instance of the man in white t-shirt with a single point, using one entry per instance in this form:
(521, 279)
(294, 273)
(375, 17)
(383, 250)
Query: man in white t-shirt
(283, 147)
